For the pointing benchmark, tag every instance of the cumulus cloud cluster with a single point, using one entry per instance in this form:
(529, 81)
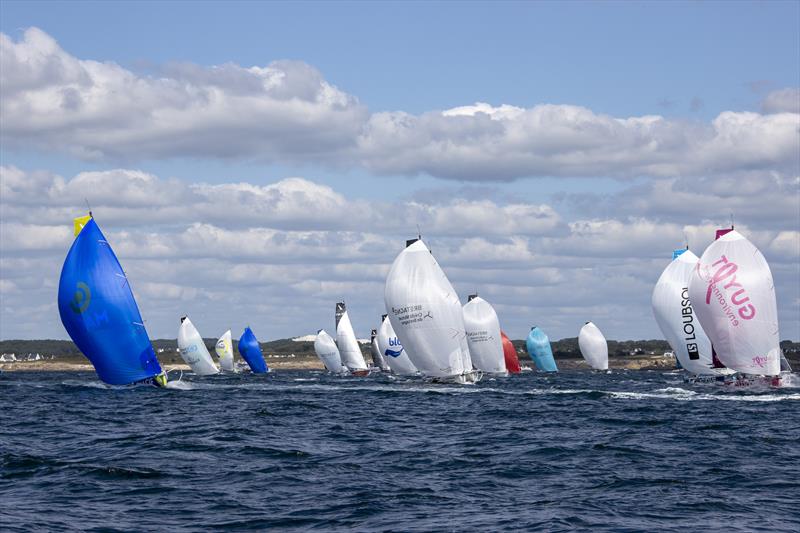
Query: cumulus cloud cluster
(277, 256)
(287, 112)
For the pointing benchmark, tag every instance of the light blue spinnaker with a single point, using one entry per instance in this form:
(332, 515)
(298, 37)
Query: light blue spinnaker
(538, 345)
(251, 352)
(100, 314)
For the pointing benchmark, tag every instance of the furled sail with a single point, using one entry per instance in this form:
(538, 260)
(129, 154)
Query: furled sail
(483, 336)
(594, 347)
(328, 353)
(733, 295)
(377, 357)
(250, 351)
(426, 314)
(99, 312)
(675, 316)
(510, 354)
(349, 349)
(224, 349)
(392, 349)
(193, 350)
(538, 345)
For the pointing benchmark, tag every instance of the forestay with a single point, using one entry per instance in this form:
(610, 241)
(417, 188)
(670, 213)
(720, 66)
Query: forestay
(734, 298)
(193, 350)
(393, 350)
(99, 312)
(483, 336)
(593, 346)
(426, 314)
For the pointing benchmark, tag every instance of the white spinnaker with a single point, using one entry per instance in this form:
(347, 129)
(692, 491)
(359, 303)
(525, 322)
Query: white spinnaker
(349, 350)
(426, 314)
(483, 336)
(393, 350)
(193, 350)
(675, 316)
(224, 349)
(734, 299)
(377, 356)
(327, 352)
(594, 347)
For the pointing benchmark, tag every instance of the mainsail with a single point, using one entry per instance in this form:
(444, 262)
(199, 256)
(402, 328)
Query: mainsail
(483, 336)
(377, 357)
(193, 350)
(538, 345)
(349, 349)
(250, 351)
(510, 354)
(593, 346)
(99, 312)
(328, 353)
(224, 349)
(734, 299)
(676, 318)
(392, 349)
(426, 314)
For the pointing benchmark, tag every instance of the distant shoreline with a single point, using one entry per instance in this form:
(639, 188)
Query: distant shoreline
(651, 362)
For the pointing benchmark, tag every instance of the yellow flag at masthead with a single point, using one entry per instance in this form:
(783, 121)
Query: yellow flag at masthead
(80, 222)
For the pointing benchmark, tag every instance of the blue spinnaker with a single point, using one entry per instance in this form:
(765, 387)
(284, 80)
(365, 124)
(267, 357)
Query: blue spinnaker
(538, 345)
(251, 352)
(100, 314)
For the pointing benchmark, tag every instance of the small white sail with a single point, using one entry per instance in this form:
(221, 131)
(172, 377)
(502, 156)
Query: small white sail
(349, 349)
(193, 350)
(327, 352)
(393, 351)
(734, 299)
(594, 347)
(483, 336)
(676, 317)
(224, 349)
(426, 314)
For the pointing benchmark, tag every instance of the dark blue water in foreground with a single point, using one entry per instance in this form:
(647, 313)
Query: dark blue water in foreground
(630, 451)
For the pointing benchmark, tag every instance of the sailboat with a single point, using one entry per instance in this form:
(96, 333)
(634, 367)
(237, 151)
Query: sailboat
(538, 345)
(593, 346)
(346, 340)
(224, 349)
(425, 313)
(377, 357)
(193, 350)
(328, 353)
(483, 336)
(733, 296)
(393, 350)
(100, 314)
(510, 355)
(250, 351)
(676, 318)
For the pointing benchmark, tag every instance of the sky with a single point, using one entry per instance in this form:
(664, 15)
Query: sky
(252, 163)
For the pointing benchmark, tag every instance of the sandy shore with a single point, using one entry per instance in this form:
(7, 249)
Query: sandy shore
(656, 362)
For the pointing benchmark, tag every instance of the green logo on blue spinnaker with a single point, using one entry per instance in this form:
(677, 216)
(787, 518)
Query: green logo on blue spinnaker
(81, 299)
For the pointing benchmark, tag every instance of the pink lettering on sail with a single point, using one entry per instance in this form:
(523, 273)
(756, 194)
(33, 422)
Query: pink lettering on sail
(739, 297)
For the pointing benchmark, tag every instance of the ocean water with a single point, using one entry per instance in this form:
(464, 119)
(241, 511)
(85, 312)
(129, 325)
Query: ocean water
(300, 450)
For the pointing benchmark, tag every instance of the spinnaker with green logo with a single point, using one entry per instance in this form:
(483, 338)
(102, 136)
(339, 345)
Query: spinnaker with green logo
(99, 312)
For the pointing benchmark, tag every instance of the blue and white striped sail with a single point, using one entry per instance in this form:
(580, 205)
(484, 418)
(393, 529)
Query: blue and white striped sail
(99, 312)
(251, 352)
(538, 344)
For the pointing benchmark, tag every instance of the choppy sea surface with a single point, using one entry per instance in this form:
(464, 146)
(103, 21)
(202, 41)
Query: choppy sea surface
(301, 450)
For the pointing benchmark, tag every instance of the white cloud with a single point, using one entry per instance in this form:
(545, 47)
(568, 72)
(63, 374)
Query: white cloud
(278, 256)
(287, 112)
(782, 101)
